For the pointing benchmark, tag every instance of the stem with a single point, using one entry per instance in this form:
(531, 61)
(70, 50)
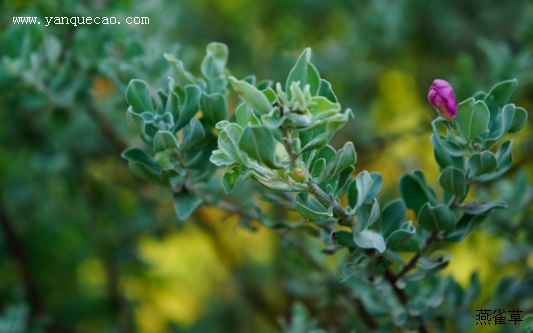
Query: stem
(345, 290)
(304, 252)
(400, 293)
(344, 218)
(414, 259)
(403, 297)
(287, 143)
(312, 188)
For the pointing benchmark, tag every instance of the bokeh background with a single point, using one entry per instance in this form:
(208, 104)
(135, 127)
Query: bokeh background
(87, 247)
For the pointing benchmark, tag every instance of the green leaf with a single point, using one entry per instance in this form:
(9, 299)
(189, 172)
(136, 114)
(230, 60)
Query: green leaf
(304, 72)
(215, 60)
(142, 165)
(213, 108)
(324, 105)
(228, 142)
(135, 121)
(172, 105)
(192, 133)
(351, 190)
(185, 203)
(213, 66)
(190, 106)
(482, 163)
(443, 158)
(345, 238)
(472, 118)
(366, 216)
(513, 118)
(415, 191)
(258, 143)
(183, 78)
(326, 91)
(504, 156)
(392, 216)
(479, 208)
(496, 130)
(220, 159)
(138, 96)
(273, 120)
(377, 183)
(344, 177)
(245, 115)
(453, 181)
(344, 158)
(323, 134)
(271, 95)
(527, 324)
(436, 218)
(318, 166)
(466, 224)
(496, 99)
(327, 152)
(164, 140)
(312, 210)
(316, 142)
(368, 186)
(251, 95)
(230, 178)
(519, 120)
(368, 239)
(399, 239)
(437, 260)
(499, 94)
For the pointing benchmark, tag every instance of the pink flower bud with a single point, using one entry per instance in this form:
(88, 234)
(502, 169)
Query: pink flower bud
(441, 96)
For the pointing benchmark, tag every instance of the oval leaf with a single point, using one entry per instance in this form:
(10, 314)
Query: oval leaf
(482, 163)
(453, 181)
(138, 96)
(164, 140)
(258, 143)
(472, 118)
(304, 72)
(368, 239)
(436, 218)
(251, 95)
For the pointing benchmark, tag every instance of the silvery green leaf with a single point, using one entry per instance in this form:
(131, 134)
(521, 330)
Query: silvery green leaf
(453, 181)
(368, 239)
(138, 96)
(228, 142)
(164, 140)
(251, 95)
(190, 106)
(482, 163)
(436, 218)
(245, 115)
(258, 143)
(472, 118)
(305, 73)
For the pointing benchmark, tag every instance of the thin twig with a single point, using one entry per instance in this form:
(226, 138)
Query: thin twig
(344, 218)
(414, 259)
(364, 314)
(287, 143)
(403, 297)
(400, 293)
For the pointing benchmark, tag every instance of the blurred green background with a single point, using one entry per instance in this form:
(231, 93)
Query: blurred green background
(87, 247)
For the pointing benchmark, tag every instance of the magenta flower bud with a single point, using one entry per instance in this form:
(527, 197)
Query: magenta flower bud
(441, 96)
